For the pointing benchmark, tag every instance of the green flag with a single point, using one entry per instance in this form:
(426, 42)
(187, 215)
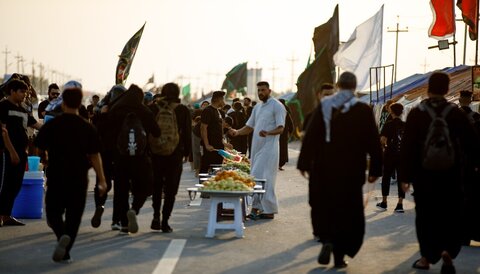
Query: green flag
(126, 58)
(236, 79)
(186, 91)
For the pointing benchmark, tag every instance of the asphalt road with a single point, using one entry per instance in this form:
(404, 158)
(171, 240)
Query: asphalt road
(282, 245)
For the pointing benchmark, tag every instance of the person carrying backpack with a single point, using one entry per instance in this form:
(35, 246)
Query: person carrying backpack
(131, 122)
(433, 153)
(472, 177)
(168, 151)
(391, 139)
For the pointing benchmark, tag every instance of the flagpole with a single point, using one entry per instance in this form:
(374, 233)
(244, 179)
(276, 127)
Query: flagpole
(465, 44)
(476, 26)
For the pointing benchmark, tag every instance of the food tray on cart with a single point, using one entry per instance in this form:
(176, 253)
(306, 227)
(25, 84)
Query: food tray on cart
(225, 192)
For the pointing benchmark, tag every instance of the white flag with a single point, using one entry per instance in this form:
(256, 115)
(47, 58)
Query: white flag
(363, 50)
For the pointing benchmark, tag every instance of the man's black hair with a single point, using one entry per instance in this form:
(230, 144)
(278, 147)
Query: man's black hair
(72, 98)
(263, 83)
(16, 85)
(170, 91)
(52, 86)
(397, 109)
(438, 83)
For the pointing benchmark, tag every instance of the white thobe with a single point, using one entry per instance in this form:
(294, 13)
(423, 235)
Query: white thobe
(265, 150)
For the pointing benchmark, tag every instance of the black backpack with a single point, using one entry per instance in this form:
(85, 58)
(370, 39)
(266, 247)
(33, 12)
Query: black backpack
(132, 138)
(438, 150)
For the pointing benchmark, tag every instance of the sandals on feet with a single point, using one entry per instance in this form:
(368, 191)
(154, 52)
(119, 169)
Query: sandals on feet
(422, 267)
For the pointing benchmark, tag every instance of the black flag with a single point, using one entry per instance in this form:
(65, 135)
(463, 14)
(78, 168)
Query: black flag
(236, 79)
(322, 70)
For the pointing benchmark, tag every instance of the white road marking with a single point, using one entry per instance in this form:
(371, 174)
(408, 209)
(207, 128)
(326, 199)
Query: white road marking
(169, 260)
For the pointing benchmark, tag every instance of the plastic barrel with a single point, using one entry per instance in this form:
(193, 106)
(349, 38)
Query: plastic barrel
(33, 163)
(29, 201)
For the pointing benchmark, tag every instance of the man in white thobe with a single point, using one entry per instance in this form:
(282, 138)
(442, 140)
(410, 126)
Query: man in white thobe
(267, 123)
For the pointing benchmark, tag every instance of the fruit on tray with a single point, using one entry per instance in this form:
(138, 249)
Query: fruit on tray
(230, 156)
(226, 185)
(243, 166)
(235, 175)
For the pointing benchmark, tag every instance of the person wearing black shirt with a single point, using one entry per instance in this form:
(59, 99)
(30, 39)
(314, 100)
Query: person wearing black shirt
(211, 130)
(439, 194)
(92, 115)
(72, 145)
(472, 177)
(15, 119)
(391, 139)
(53, 92)
(106, 152)
(247, 106)
(167, 169)
(239, 143)
(283, 143)
(138, 168)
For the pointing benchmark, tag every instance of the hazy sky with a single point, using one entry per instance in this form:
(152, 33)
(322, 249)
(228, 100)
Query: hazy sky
(198, 41)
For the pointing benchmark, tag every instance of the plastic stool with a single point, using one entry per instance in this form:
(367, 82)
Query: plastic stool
(237, 224)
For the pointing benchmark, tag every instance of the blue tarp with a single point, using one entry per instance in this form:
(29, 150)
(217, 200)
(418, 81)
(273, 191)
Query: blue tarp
(287, 96)
(405, 85)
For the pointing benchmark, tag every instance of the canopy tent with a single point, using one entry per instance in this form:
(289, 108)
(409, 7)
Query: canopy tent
(412, 90)
(416, 85)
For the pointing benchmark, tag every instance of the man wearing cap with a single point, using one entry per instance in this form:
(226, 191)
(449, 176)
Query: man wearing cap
(72, 145)
(267, 123)
(211, 131)
(148, 98)
(16, 120)
(53, 92)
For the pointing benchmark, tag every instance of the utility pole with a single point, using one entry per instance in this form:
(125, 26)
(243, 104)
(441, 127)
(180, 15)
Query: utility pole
(33, 71)
(397, 30)
(23, 64)
(292, 61)
(273, 69)
(6, 52)
(425, 65)
(19, 58)
(41, 78)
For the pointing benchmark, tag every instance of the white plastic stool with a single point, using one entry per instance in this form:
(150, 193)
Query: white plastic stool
(237, 224)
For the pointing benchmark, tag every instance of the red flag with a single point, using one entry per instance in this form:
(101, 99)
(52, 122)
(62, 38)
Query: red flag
(443, 24)
(469, 13)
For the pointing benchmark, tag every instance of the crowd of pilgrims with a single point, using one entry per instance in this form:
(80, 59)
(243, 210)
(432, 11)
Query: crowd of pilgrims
(436, 151)
(338, 135)
(64, 139)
